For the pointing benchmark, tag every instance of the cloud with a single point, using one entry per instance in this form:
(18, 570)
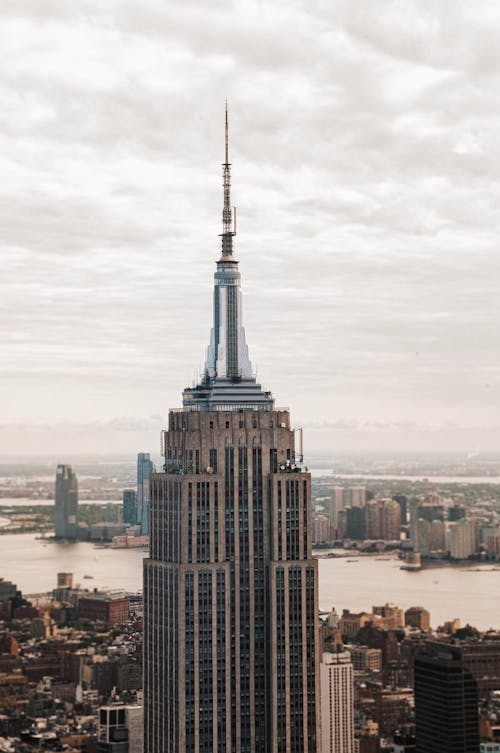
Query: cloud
(365, 169)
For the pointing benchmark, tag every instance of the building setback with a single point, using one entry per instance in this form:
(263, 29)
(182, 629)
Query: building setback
(230, 588)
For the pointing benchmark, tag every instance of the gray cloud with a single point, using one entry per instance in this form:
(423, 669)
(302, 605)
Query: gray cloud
(365, 155)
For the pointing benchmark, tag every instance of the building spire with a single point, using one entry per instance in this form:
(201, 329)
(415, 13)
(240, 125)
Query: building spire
(228, 381)
(228, 226)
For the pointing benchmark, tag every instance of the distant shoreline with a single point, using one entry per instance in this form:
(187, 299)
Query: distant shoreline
(425, 477)
(427, 564)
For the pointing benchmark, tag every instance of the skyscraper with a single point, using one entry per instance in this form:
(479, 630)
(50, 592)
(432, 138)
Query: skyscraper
(337, 504)
(446, 701)
(463, 538)
(130, 506)
(355, 523)
(337, 703)
(230, 588)
(144, 471)
(342, 497)
(66, 503)
(391, 520)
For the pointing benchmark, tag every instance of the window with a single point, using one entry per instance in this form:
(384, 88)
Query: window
(213, 459)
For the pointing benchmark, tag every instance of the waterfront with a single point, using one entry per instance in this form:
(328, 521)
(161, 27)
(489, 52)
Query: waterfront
(428, 477)
(39, 502)
(469, 592)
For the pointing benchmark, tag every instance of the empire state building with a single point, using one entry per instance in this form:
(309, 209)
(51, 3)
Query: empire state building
(230, 587)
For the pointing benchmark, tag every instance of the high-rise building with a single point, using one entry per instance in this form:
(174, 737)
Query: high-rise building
(429, 536)
(113, 513)
(413, 517)
(322, 531)
(66, 503)
(373, 519)
(446, 701)
(422, 537)
(421, 534)
(433, 498)
(337, 503)
(430, 512)
(144, 471)
(230, 588)
(337, 703)
(487, 530)
(355, 496)
(483, 659)
(493, 545)
(355, 523)
(8, 590)
(130, 507)
(342, 497)
(456, 512)
(341, 523)
(402, 499)
(463, 539)
(437, 534)
(391, 520)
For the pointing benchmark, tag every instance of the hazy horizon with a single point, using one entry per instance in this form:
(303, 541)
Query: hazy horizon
(364, 145)
(370, 460)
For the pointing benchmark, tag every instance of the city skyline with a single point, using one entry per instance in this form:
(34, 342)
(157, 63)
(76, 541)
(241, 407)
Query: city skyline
(366, 191)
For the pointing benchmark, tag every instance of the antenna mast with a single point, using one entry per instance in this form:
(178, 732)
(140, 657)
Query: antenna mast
(228, 226)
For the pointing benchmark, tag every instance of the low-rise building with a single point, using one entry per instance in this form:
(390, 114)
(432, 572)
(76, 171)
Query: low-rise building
(418, 617)
(352, 622)
(365, 659)
(120, 729)
(110, 607)
(388, 616)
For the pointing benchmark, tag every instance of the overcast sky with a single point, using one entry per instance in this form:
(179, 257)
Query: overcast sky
(365, 142)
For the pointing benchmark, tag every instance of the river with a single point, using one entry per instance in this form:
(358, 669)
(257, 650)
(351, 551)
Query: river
(468, 592)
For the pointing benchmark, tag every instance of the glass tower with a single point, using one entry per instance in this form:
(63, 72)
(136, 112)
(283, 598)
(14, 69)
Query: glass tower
(66, 503)
(144, 470)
